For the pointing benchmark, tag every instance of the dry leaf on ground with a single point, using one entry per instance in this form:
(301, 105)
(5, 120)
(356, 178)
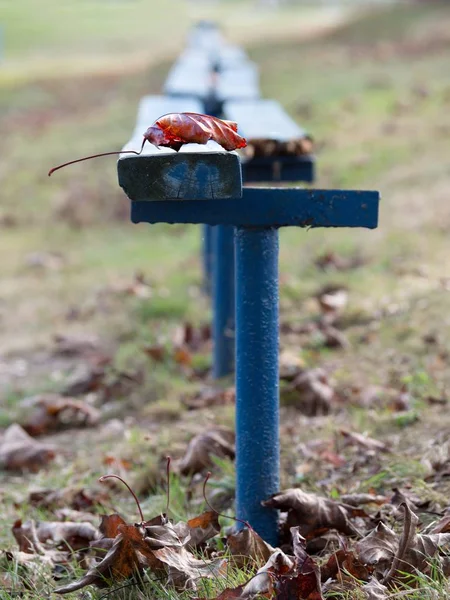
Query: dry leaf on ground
(332, 260)
(215, 442)
(374, 590)
(51, 412)
(184, 569)
(332, 300)
(128, 555)
(75, 498)
(247, 547)
(203, 528)
(65, 536)
(311, 393)
(20, 452)
(209, 396)
(311, 512)
(305, 584)
(85, 346)
(363, 441)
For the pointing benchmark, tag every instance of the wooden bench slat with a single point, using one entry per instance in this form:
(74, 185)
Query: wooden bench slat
(228, 56)
(183, 81)
(201, 172)
(240, 84)
(263, 119)
(153, 107)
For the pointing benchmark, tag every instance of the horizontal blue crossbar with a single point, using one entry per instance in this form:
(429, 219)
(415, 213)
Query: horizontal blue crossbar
(273, 207)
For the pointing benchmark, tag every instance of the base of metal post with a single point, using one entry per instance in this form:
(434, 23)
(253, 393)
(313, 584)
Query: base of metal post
(223, 300)
(257, 383)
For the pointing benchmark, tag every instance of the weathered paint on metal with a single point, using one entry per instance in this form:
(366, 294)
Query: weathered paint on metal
(278, 169)
(223, 300)
(257, 419)
(274, 207)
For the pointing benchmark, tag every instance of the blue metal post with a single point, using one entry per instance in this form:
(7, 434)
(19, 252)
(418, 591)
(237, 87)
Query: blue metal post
(207, 258)
(223, 300)
(257, 392)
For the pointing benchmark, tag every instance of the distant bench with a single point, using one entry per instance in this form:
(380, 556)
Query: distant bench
(216, 78)
(278, 149)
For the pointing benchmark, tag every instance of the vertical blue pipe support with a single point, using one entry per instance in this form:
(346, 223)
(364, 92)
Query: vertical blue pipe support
(223, 300)
(257, 386)
(207, 236)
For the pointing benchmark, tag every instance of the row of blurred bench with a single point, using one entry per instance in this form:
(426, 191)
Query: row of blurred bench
(213, 77)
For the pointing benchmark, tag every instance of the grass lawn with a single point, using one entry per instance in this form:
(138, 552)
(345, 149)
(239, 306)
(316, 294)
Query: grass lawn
(375, 94)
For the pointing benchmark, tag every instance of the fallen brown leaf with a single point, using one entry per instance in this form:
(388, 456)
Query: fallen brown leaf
(305, 583)
(215, 442)
(311, 512)
(363, 441)
(358, 499)
(75, 498)
(378, 548)
(64, 536)
(247, 546)
(332, 260)
(51, 412)
(184, 569)
(374, 590)
(85, 346)
(415, 551)
(203, 528)
(128, 555)
(311, 393)
(20, 452)
(332, 300)
(443, 525)
(208, 396)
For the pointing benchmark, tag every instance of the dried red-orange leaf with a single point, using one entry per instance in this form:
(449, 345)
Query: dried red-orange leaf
(182, 356)
(109, 526)
(175, 129)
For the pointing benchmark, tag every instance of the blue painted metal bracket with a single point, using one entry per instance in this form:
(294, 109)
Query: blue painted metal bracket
(274, 207)
(277, 169)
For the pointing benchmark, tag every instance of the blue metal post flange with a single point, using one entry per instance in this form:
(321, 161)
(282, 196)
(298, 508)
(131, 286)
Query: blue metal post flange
(223, 300)
(257, 420)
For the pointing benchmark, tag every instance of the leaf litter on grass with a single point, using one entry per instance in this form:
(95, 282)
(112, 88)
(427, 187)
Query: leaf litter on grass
(368, 551)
